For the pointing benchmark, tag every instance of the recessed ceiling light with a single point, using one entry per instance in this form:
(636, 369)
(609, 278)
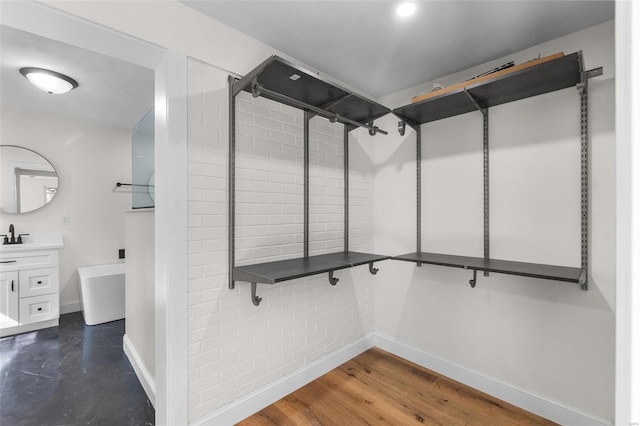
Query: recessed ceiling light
(49, 81)
(406, 9)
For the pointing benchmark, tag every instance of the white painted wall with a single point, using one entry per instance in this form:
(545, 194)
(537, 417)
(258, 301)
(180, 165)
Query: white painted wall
(140, 293)
(549, 338)
(234, 347)
(89, 159)
(628, 213)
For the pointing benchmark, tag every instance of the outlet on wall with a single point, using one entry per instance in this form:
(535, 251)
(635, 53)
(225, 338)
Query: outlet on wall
(120, 253)
(66, 220)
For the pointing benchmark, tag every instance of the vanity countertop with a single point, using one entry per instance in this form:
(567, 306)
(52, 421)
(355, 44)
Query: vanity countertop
(35, 243)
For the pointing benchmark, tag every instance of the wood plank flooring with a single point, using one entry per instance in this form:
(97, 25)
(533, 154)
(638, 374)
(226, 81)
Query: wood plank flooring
(378, 388)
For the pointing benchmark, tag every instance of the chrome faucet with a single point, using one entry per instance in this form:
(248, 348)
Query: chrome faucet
(13, 239)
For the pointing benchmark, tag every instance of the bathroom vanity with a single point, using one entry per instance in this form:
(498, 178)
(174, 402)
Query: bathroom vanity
(29, 286)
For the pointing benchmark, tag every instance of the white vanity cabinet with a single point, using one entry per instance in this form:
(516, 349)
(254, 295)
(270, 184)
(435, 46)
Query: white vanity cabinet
(29, 287)
(9, 300)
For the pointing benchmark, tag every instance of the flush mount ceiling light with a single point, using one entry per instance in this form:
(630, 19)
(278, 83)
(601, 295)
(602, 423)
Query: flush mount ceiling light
(49, 81)
(406, 9)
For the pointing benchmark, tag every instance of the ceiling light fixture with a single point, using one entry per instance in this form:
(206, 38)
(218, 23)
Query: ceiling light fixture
(406, 9)
(49, 81)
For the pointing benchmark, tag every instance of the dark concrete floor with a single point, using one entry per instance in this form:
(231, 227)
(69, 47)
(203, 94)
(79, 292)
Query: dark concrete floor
(73, 374)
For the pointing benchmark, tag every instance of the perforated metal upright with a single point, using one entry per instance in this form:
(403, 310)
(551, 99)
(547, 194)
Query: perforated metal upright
(231, 182)
(583, 90)
(418, 131)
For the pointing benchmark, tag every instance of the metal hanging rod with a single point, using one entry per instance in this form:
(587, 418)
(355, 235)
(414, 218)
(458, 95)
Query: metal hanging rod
(119, 184)
(257, 89)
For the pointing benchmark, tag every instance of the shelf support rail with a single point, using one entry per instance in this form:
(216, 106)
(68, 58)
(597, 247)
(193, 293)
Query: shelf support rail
(345, 141)
(583, 89)
(257, 89)
(418, 130)
(232, 188)
(485, 173)
(307, 118)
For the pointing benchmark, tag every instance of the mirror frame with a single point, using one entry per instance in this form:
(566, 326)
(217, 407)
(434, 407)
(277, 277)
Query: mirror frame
(44, 173)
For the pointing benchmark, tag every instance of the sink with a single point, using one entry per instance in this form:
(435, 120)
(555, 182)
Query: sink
(33, 243)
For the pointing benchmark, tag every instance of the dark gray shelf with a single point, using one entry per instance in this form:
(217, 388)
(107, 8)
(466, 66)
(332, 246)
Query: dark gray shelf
(354, 258)
(534, 270)
(543, 78)
(284, 270)
(438, 259)
(309, 87)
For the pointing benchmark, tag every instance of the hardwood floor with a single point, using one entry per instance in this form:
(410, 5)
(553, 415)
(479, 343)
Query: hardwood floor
(378, 388)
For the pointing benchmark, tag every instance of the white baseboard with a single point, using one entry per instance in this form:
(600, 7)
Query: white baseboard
(26, 328)
(265, 396)
(70, 306)
(553, 410)
(146, 380)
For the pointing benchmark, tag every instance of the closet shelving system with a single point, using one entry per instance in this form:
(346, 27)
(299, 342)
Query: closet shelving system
(556, 74)
(287, 83)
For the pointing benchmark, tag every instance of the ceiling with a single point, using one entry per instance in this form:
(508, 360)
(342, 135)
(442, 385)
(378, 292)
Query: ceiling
(364, 44)
(110, 91)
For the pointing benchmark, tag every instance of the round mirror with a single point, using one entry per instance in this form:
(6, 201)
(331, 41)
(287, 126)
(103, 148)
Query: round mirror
(29, 181)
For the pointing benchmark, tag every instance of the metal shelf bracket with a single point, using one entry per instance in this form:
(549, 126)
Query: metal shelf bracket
(475, 102)
(595, 72)
(254, 298)
(333, 280)
(372, 270)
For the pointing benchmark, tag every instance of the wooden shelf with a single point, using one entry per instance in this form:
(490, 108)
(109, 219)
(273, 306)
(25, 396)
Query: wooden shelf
(543, 78)
(534, 270)
(284, 270)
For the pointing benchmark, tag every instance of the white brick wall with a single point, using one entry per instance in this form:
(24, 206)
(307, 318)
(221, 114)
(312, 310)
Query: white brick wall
(235, 347)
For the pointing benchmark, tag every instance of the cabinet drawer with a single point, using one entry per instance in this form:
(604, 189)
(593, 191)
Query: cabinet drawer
(39, 308)
(28, 260)
(35, 282)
